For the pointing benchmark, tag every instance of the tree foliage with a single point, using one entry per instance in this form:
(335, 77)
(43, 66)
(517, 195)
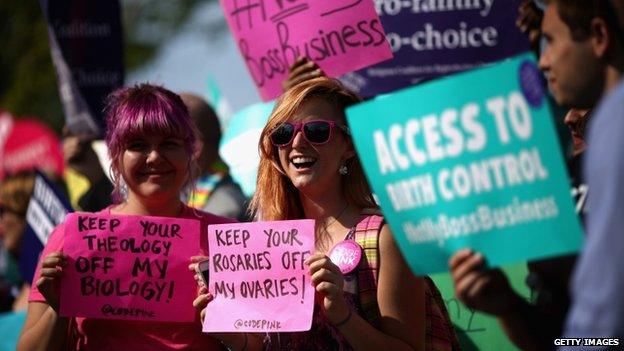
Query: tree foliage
(27, 77)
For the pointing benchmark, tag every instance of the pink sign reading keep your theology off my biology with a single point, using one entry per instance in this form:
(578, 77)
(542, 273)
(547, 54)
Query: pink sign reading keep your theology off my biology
(341, 36)
(129, 267)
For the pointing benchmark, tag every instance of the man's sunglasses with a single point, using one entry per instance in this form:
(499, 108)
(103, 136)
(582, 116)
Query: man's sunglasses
(315, 132)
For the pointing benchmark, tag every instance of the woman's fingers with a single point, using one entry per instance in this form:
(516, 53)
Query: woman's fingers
(301, 71)
(194, 260)
(198, 258)
(53, 272)
(202, 300)
(301, 61)
(48, 288)
(311, 262)
(326, 275)
(459, 257)
(54, 259)
(307, 66)
(468, 276)
(306, 76)
(464, 261)
(199, 281)
(313, 258)
(472, 263)
(52, 265)
(477, 289)
(328, 289)
(50, 273)
(43, 282)
(53, 262)
(318, 261)
(466, 285)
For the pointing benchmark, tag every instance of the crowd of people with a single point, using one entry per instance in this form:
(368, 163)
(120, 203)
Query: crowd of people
(164, 157)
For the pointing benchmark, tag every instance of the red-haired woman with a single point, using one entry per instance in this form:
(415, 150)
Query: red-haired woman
(309, 169)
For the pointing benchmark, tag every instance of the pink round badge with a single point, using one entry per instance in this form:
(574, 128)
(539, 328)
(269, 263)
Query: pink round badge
(346, 255)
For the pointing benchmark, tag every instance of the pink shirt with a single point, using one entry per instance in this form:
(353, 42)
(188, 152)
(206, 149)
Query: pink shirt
(104, 334)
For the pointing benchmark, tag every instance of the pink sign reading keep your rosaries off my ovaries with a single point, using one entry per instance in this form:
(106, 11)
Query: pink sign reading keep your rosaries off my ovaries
(341, 36)
(258, 277)
(129, 267)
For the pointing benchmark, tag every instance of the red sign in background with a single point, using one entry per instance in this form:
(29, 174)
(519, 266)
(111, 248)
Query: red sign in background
(28, 144)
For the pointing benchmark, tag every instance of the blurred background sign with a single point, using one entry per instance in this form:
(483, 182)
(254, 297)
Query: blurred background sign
(47, 209)
(430, 39)
(30, 144)
(85, 39)
(239, 144)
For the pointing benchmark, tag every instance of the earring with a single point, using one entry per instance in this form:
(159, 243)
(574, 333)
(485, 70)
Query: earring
(343, 170)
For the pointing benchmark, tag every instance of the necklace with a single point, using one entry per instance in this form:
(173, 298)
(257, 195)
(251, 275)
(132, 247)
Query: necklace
(323, 238)
(327, 225)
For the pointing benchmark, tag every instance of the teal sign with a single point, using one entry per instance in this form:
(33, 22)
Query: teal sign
(11, 324)
(476, 330)
(470, 160)
(239, 144)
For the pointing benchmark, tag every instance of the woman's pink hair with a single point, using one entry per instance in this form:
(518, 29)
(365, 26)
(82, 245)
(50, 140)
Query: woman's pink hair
(144, 109)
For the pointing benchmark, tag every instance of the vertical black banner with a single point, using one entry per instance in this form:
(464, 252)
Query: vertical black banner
(87, 51)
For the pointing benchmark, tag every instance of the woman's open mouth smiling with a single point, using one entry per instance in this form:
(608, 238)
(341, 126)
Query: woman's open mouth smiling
(155, 174)
(302, 162)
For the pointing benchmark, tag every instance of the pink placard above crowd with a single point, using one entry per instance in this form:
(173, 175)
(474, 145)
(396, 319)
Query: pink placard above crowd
(340, 36)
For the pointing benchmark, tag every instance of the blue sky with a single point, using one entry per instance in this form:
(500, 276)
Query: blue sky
(186, 62)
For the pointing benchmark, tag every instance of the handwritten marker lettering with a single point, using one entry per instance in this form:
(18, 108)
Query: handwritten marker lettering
(129, 267)
(341, 36)
(232, 237)
(257, 270)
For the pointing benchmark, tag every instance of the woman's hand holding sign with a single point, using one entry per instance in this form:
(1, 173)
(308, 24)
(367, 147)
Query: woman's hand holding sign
(329, 281)
(195, 260)
(233, 341)
(51, 273)
(203, 296)
(201, 301)
(303, 69)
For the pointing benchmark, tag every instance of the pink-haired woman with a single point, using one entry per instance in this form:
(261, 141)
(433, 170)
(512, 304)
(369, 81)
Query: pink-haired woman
(153, 145)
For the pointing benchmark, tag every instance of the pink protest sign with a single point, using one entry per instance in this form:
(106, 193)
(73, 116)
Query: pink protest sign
(129, 267)
(339, 35)
(258, 278)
